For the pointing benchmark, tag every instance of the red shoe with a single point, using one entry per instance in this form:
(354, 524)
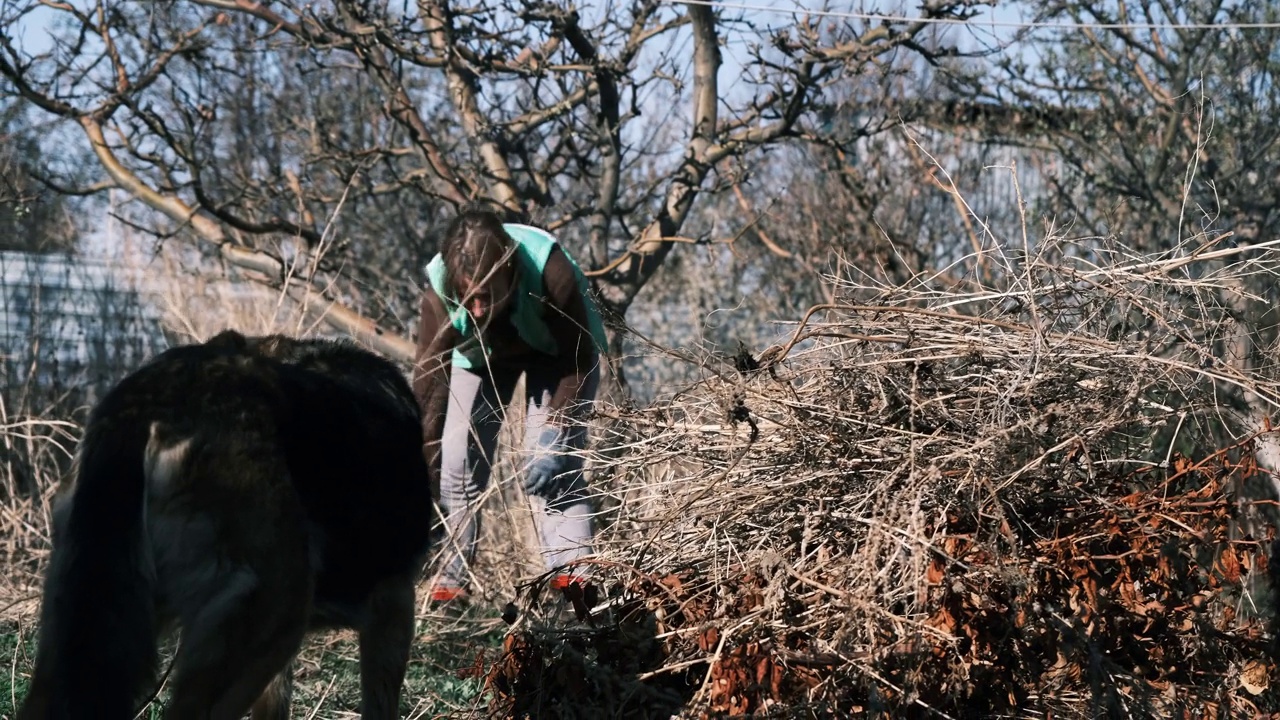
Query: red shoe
(447, 593)
(579, 592)
(562, 582)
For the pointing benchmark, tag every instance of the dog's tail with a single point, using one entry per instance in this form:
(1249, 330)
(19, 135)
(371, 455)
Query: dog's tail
(96, 654)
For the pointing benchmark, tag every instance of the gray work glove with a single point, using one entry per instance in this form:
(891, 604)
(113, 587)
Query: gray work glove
(549, 463)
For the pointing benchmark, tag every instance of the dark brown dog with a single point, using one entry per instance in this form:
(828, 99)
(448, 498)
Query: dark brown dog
(244, 491)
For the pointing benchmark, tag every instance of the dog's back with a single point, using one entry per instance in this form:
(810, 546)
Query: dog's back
(356, 450)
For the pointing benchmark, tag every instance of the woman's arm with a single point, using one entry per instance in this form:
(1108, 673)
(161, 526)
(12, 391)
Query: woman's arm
(431, 366)
(567, 319)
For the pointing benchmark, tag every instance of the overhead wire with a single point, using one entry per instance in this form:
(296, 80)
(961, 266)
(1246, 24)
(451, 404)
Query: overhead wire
(975, 22)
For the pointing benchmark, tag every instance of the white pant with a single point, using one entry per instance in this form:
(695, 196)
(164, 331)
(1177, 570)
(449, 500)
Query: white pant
(476, 404)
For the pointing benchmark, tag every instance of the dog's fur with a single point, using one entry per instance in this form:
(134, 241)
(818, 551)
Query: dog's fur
(244, 490)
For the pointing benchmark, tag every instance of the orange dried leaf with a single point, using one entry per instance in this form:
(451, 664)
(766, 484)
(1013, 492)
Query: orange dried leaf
(673, 581)
(944, 620)
(1229, 565)
(708, 639)
(935, 573)
(1091, 591)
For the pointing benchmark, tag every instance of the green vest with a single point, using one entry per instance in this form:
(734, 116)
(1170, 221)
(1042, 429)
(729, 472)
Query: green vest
(533, 247)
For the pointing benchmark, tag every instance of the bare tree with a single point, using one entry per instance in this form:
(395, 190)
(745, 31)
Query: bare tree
(242, 122)
(33, 216)
(1166, 143)
(1177, 122)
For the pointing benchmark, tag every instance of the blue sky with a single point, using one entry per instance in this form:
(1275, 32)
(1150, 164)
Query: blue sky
(32, 33)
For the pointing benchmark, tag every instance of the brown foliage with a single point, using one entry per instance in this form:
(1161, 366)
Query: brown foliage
(908, 511)
(1124, 597)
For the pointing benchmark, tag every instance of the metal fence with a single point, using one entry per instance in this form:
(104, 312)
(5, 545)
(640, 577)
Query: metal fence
(72, 325)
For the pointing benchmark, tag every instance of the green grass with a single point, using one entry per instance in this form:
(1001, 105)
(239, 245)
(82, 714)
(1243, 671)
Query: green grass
(327, 671)
(327, 676)
(18, 648)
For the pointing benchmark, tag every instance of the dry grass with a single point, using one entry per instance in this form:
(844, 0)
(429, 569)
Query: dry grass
(945, 502)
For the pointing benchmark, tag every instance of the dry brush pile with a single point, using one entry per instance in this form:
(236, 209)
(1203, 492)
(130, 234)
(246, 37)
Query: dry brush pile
(1035, 503)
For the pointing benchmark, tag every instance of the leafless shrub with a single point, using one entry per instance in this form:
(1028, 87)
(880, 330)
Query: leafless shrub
(951, 501)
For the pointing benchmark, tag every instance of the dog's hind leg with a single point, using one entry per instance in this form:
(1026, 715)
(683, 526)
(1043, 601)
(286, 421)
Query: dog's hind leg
(233, 650)
(276, 700)
(386, 634)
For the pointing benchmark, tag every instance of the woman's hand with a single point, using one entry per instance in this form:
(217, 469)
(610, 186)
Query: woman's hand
(546, 474)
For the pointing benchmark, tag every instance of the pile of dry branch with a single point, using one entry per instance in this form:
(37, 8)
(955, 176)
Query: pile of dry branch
(1036, 503)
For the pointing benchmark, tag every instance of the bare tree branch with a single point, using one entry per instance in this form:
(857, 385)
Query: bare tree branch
(455, 187)
(340, 316)
(652, 248)
(461, 78)
(306, 29)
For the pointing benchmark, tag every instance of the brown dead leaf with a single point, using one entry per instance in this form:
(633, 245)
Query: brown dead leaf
(1091, 592)
(708, 639)
(935, 572)
(1255, 678)
(944, 620)
(763, 667)
(1229, 565)
(673, 581)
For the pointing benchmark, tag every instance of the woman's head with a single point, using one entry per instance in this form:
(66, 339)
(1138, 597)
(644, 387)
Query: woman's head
(479, 261)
